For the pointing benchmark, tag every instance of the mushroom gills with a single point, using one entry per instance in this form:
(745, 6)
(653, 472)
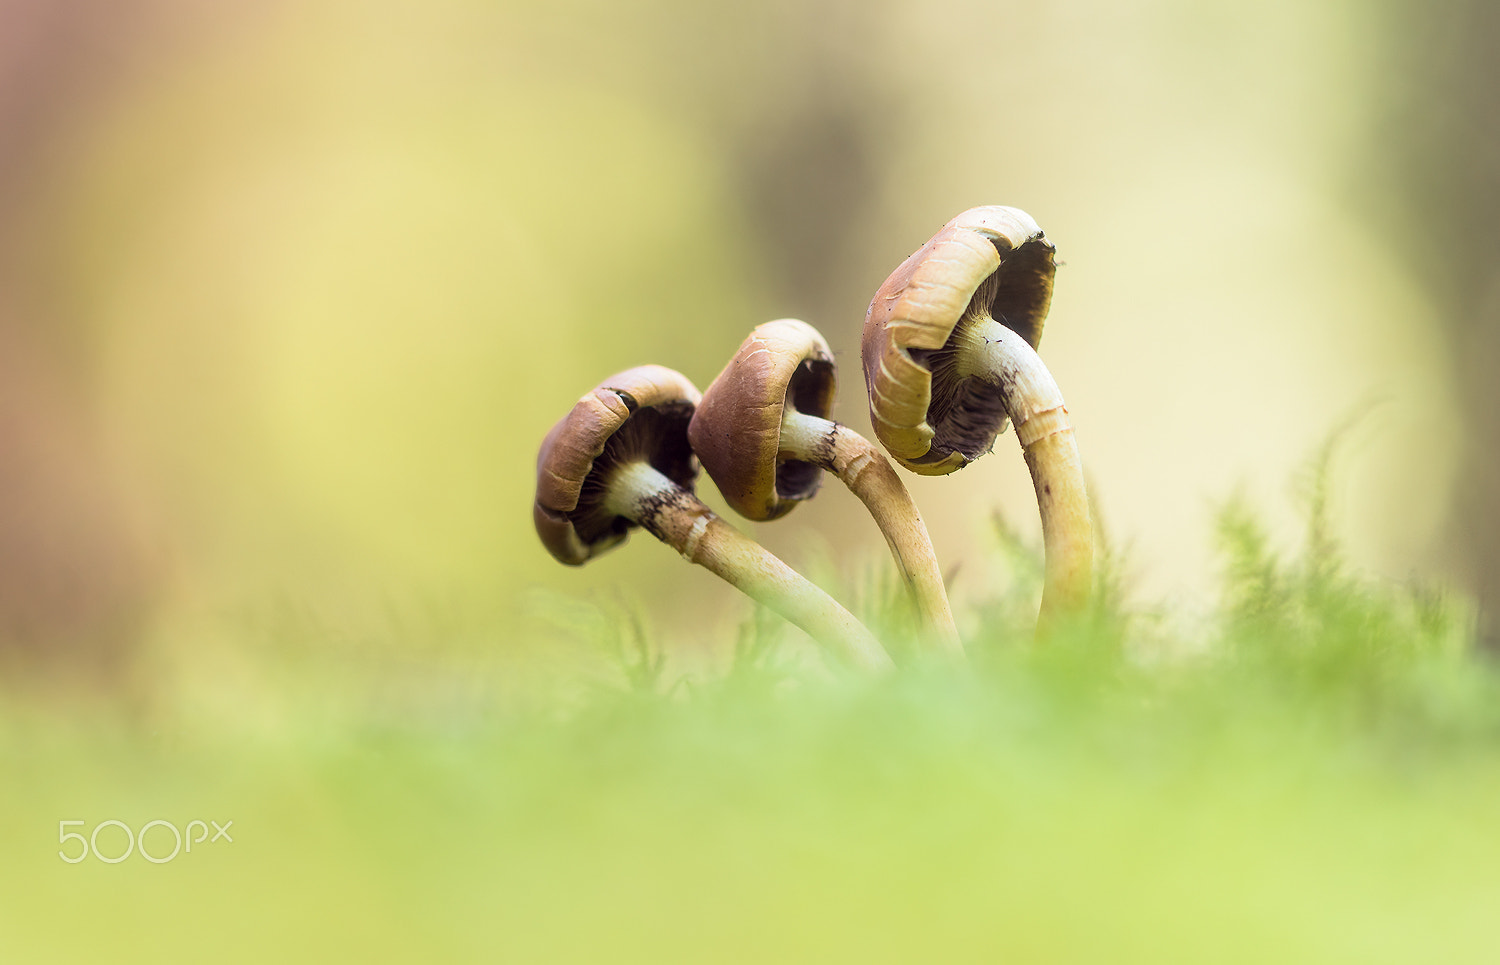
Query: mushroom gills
(799, 479)
(967, 410)
(655, 438)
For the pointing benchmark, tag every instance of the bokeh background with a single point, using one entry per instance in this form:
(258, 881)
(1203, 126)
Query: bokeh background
(289, 292)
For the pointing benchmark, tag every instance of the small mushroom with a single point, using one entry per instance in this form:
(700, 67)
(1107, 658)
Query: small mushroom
(621, 459)
(949, 353)
(764, 435)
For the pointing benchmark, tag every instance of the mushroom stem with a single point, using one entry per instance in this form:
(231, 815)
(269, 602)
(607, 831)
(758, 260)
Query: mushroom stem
(869, 475)
(678, 518)
(990, 350)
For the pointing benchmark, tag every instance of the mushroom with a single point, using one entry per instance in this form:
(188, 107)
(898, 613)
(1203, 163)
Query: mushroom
(764, 435)
(621, 459)
(949, 353)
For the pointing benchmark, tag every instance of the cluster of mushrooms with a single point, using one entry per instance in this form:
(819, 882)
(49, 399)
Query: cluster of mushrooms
(949, 353)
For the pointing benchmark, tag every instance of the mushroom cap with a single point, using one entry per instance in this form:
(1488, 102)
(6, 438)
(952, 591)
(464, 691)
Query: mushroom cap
(736, 431)
(990, 260)
(641, 413)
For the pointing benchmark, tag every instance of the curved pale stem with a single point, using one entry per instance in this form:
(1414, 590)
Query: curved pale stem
(676, 517)
(1035, 405)
(869, 475)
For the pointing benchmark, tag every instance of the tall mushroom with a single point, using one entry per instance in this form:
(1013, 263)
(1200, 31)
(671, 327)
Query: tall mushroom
(764, 435)
(949, 353)
(621, 459)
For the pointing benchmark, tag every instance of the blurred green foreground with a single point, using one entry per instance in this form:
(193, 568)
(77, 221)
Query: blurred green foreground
(289, 293)
(1310, 775)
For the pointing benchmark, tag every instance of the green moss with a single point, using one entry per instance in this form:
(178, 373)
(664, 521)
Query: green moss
(1311, 774)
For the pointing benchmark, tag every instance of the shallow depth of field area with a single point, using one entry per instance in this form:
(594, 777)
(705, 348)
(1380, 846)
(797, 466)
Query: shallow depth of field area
(291, 292)
(1308, 773)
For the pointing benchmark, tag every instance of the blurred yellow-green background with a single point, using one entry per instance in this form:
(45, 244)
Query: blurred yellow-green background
(289, 292)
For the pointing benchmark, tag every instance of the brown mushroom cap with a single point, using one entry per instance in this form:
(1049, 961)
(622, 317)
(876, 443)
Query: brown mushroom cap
(639, 414)
(736, 431)
(989, 260)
